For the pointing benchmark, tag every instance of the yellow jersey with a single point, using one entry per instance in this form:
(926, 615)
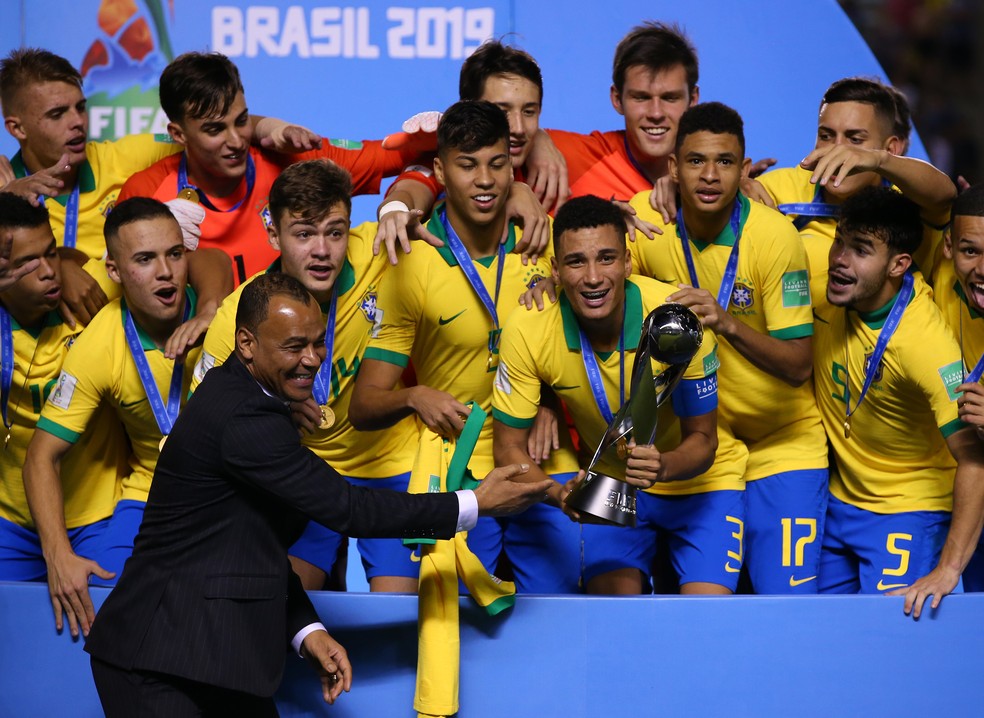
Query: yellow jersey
(107, 166)
(360, 454)
(100, 371)
(545, 348)
(779, 423)
(429, 314)
(896, 458)
(90, 472)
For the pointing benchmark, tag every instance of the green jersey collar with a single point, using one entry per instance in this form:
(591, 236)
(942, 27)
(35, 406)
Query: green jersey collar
(436, 228)
(876, 319)
(86, 178)
(726, 238)
(631, 324)
(51, 319)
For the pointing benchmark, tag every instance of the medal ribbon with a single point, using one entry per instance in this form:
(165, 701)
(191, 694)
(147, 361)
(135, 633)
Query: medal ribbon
(975, 374)
(730, 270)
(165, 416)
(7, 359)
(322, 380)
(594, 374)
(471, 274)
(184, 184)
(806, 211)
(888, 329)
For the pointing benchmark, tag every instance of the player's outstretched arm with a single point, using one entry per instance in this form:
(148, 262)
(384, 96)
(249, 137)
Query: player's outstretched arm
(788, 359)
(506, 491)
(965, 526)
(510, 446)
(378, 404)
(68, 573)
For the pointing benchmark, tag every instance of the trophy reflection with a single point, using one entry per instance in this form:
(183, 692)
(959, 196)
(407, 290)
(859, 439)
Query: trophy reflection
(671, 336)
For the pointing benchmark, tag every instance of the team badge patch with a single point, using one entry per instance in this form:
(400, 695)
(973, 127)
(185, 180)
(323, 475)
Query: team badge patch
(742, 296)
(878, 371)
(62, 395)
(533, 276)
(266, 217)
(368, 306)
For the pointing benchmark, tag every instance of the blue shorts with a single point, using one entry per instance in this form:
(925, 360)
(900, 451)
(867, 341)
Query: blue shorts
(116, 544)
(20, 549)
(380, 557)
(705, 533)
(865, 552)
(784, 517)
(542, 545)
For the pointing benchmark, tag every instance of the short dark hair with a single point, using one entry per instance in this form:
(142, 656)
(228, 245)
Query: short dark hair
(135, 209)
(310, 189)
(586, 212)
(254, 302)
(869, 91)
(32, 65)
(18, 213)
(199, 85)
(885, 213)
(657, 46)
(713, 117)
(494, 58)
(969, 203)
(903, 117)
(470, 125)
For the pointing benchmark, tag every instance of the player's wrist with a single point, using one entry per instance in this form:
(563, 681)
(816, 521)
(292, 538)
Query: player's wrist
(392, 206)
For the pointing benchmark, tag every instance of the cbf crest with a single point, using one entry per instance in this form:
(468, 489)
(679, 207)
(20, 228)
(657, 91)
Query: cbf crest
(533, 276)
(878, 371)
(368, 306)
(742, 296)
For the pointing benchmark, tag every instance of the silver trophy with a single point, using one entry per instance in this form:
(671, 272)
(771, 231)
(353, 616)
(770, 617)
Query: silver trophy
(671, 335)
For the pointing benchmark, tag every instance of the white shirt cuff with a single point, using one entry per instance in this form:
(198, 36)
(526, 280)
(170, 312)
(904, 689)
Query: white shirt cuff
(467, 510)
(303, 633)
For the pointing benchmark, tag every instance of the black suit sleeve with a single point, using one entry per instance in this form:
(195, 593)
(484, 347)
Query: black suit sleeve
(300, 610)
(260, 447)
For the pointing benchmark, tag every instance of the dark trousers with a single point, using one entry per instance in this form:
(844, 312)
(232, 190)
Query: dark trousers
(146, 694)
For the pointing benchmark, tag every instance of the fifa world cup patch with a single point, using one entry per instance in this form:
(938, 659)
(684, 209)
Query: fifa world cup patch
(742, 296)
(64, 390)
(502, 379)
(796, 289)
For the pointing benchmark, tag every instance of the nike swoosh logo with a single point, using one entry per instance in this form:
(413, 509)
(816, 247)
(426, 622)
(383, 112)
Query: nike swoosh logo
(882, 586)
(563, 387)
(794, 582)
(125, 405)
(818, 318)
(442, 321)
(730, 569)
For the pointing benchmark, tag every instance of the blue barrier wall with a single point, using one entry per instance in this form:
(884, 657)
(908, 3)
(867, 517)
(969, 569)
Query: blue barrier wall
(753, 657)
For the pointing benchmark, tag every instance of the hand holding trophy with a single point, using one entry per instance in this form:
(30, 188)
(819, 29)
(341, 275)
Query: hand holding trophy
(671, 336)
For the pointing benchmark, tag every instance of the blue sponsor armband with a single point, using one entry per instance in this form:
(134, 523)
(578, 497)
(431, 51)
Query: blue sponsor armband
(694, 397)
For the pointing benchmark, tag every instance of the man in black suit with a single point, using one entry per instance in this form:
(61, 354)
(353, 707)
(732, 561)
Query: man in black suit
(200, 619)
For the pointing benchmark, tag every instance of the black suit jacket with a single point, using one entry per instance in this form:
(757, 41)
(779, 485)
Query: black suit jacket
(208, 593)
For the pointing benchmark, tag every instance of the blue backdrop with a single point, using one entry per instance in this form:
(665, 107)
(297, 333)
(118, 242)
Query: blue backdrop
(357, 71)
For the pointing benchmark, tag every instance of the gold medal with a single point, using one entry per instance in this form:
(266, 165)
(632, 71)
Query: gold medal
(847, 429)
(189, 194)
(622, 449)
(160, 447)
(327, 417)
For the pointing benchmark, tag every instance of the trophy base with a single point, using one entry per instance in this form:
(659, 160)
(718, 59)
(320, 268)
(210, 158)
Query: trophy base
(606, 498)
